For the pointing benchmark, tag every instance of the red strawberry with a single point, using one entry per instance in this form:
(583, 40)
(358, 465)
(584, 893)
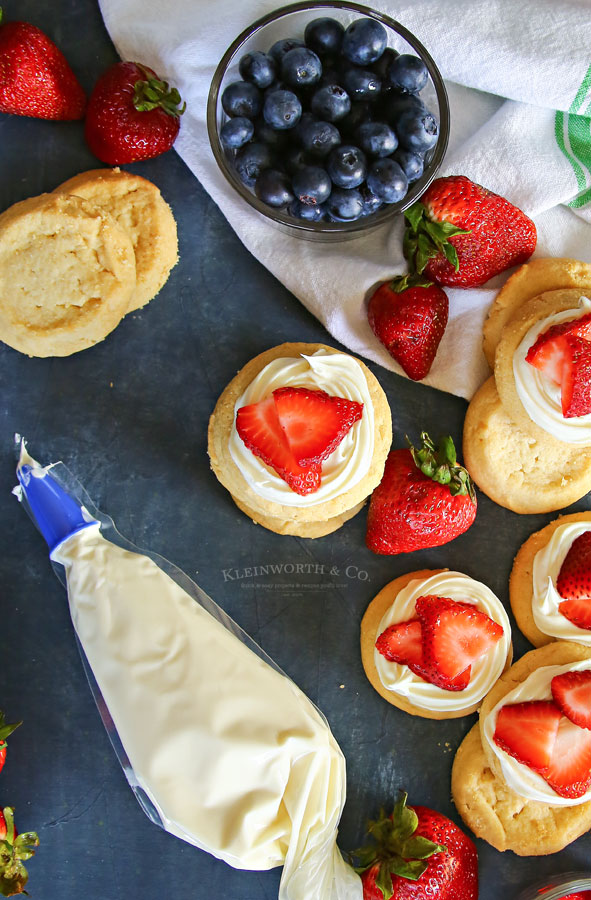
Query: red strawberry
(314, 422)
(417, 854)
(131, 115)
(258, 426)
(403, 643)
(5, 731)
(462, 234)
(575, 388)
(35, 79)
(424, 499)
(569, 770)
(548, 351)
(574, 582)
(455, 635)
(409, 319)
(527, 731)
(572, 695)
(14, 848)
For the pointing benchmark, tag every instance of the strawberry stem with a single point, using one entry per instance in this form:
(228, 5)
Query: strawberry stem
(440, 464)
(153, 93)
(5, 728)
(13, 850)
(424, 239)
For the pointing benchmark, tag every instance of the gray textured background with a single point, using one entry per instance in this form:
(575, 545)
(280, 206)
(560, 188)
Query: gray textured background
(129, 418)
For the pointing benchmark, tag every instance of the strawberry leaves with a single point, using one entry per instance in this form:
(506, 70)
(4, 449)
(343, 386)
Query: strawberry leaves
(396, 849)
(440, 464)
(13, 851)
(425, 239)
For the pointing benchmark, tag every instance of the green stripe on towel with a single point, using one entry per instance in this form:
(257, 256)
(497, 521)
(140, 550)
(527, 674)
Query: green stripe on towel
(572, 131)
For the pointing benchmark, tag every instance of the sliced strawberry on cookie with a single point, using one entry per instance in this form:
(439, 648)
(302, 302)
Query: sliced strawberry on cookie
(547, 353)
(314, 422)
(572, 695)
(402, 643)
(259, 427)
(455, 635)
(574, 582)
(569, 770)
(527, 731)
(575, 387)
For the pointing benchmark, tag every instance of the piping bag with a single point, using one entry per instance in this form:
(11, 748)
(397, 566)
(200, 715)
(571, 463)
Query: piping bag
(219, 746)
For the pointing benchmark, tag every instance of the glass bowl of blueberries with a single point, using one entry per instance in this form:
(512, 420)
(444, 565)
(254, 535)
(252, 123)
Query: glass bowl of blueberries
(328, 118)
(567, 886)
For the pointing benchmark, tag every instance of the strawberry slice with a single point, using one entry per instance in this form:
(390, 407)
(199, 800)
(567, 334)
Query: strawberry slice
(574, 582)
(569, 770)
(403, 643)
(259, 427)
(314, 422)
(548, 352)
(527, 731)
(572, 695)
(455, 635)
(575, 386)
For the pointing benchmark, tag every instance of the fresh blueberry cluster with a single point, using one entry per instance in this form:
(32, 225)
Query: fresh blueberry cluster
(332, 127)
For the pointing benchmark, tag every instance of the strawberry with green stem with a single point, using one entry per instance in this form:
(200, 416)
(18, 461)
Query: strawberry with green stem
(5, 731)
(14, 850)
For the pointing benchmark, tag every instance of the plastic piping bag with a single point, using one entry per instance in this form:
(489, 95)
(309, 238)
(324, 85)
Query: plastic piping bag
(219, 746)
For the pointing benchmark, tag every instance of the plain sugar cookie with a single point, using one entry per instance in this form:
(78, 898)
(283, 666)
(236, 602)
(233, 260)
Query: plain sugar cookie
(530, 280)
(139, 208)
(67, 272)
(521, 471)
(299, 529)
(521, 579)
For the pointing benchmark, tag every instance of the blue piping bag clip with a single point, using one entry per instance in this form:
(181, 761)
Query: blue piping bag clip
(57, 514)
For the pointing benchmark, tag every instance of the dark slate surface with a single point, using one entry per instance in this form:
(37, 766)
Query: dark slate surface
(129, 417)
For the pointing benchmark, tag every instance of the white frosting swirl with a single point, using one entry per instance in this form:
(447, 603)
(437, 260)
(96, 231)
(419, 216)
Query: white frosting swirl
(539, 395)
(337, 374)
(519, 777)
(546, 567)
(485, 671)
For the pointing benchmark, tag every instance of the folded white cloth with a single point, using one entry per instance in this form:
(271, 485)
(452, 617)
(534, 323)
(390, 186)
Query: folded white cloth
(519, 82)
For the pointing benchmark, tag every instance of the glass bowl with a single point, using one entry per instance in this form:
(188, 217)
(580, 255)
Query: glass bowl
(555, 887)
(290, 21)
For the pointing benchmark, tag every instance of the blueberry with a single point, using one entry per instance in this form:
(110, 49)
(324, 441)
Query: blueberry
(381, 66)
(411, 164)
(304, 211)
(273, 188)
(330, 102)
(280, 48)
(276, 86)
(258, 68)
(364, 41)
(236, 132)
(263, 132)
(282, 110)
(311, 185)
(324, 36)
(318, 137)
(241, 99)
(360, 112)
(371, 203)
(417, 130)
(295, 158)
(345, 205)
(408, 73)
(361, 84)
(387, 181)
(376, 139)
(251, 160)
(347, 166)
(301, 67)
(395, 104)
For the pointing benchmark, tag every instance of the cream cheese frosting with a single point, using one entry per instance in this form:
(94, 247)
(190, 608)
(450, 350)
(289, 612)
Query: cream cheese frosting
(337, 374)
(539, 395)
(485, 671)
(546, 567)
(519, 777)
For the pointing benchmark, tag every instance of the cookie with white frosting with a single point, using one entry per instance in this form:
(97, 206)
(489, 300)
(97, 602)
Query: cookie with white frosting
(398, 603)
(348, 475)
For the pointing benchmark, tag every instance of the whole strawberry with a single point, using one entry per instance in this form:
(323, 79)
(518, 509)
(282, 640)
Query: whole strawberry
(461, 234)
(5, 731)
(417, 854)
(425, 499)
(409, 317)
(35, 79)
(14, 848)
(131, 115)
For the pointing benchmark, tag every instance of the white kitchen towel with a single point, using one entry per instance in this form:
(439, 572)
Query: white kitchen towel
(519, 81)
